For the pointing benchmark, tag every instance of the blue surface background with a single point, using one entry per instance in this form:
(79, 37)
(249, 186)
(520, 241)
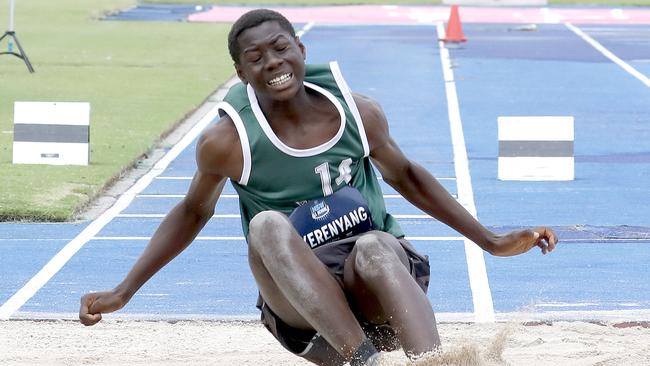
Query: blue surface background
(602, 214)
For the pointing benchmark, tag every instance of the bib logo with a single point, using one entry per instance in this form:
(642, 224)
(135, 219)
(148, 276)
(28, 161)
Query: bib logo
(319, 210)
(343, 214)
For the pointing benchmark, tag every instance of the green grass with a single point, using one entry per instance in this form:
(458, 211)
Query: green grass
(140, 78)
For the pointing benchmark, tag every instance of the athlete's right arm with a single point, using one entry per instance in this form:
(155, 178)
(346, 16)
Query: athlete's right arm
(218, 157)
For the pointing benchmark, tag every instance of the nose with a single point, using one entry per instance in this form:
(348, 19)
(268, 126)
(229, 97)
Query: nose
(273, 61)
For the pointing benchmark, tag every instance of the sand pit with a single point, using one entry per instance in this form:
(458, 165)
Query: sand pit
(130, 342)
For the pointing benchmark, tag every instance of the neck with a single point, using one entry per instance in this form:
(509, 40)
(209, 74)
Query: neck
(291, 111)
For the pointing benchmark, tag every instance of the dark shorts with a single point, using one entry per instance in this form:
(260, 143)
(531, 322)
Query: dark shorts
(311, 345)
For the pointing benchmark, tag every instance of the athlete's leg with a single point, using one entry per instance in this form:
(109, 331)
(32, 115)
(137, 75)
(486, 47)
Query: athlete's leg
(297, 286)
(377, 278)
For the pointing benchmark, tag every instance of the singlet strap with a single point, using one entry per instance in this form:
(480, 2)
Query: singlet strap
(243, 140)
(349, 99)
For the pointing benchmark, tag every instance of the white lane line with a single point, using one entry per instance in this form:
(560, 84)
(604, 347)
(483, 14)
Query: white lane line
(179, 196)
(441, 178)
(63, 256)
(390, 196)
(481, 295)
(624, 65)
(305, 29)
(241, 238)
(155, 216)
(434, 238)
(414, 216)
(393, 196)
(565, 304)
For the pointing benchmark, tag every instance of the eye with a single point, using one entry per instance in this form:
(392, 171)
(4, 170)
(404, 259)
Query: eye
(254, 57)
(281, 46)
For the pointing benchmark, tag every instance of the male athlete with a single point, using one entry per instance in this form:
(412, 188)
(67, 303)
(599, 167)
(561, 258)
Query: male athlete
(337, 280)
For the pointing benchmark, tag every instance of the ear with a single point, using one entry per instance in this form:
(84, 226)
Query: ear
(240, 73)
(302, 48)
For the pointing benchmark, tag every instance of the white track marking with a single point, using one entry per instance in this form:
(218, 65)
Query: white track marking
(624, 65)
(63, 256)
(481, 295)
(305, 29)
(155, 216)
(179, 196)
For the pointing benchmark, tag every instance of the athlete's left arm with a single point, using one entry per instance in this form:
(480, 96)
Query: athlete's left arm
(420, 188)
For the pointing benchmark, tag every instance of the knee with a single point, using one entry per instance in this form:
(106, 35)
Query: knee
(373, 255)
(268, 230)
(264, 220)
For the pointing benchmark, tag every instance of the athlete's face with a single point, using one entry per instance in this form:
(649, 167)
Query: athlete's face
(271, 61)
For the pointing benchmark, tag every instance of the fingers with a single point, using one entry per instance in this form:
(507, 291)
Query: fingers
(545, 239)
(85, 316)
(518, 242)
(90, 319)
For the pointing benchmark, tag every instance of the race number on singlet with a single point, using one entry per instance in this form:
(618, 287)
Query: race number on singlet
(340, 215)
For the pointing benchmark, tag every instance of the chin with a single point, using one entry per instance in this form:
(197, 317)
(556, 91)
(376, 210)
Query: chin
(284, 94)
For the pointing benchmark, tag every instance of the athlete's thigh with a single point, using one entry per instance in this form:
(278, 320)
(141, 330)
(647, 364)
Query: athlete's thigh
(272, 295)
(364, 300)
(269, 236)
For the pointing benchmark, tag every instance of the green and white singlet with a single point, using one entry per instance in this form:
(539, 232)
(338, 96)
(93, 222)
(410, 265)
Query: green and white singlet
(280, 178)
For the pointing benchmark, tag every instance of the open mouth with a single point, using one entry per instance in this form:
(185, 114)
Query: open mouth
(279, 80)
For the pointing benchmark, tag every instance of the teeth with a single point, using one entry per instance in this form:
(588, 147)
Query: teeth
(280, 79)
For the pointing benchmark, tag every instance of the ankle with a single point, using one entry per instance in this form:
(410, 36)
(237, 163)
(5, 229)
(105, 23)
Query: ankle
(364, 354)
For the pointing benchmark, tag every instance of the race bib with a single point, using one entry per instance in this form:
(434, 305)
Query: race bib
(340, 215)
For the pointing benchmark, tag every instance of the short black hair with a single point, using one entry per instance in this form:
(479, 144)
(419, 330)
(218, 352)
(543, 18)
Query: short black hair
(252, 19)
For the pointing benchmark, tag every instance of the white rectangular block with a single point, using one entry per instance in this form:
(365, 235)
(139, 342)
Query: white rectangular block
(53, 113)
(536, 148)
(535, 128)
(536, 168)
(51, 153)
(56, 133)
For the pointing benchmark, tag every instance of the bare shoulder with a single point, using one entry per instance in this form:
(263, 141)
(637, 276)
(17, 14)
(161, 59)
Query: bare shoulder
(369, 109)
(374, 120)
(218, 150)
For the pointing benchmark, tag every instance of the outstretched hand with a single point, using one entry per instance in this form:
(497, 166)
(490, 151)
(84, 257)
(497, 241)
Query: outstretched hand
(96, 303)
(518, 242)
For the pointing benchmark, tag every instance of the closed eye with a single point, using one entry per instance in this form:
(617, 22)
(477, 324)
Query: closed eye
(254, 57)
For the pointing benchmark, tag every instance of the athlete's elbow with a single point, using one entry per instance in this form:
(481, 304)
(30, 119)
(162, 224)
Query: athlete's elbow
(401, 178)
(197, 213)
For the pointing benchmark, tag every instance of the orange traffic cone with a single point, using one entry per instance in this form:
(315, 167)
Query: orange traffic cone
(454, 28)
